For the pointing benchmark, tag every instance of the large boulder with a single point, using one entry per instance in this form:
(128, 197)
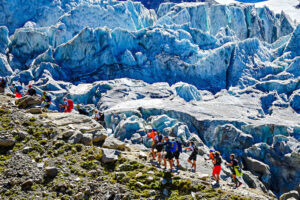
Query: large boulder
(99, 136)
(256, 166)
(6, 140)
(87, 139)
(113, 143)
(109, 155)
(76, 138)
(29, 102)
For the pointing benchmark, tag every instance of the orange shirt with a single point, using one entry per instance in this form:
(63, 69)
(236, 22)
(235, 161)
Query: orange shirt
(211, 155)
(151, 135)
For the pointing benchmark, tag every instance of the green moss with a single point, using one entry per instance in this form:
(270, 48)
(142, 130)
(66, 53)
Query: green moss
(88, 165)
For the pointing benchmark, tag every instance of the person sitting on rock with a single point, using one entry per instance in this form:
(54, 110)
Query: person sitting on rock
(2, 85)
(67, 106)
(193, 157)
(235, 169)
(31, 91)
(81, 110)
(169, 155)
(159, 147)
(46, 100)
(153, 147)
(178, 152)
(17, 90)
(217, 167)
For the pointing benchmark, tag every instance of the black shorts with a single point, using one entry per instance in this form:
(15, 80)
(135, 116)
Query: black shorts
(47, 106)
(154, 146)
(159, 147)
(176, 155)
(169, 155)
(193, 156)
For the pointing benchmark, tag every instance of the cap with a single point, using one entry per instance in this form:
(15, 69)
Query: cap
(29, 86)
(211, 150)
(154, 129)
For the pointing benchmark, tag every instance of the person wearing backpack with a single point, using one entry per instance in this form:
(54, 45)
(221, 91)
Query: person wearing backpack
(46, 100)
(217, 161)
(169, 154)
(193, 157)
(68, 105)
(159, 147)
(178, 152)
(235, 169)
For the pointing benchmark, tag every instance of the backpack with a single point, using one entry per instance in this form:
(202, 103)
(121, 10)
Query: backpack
(70, 104)
(218, 161)
(48, 98)
(159, 139)
(174, 147)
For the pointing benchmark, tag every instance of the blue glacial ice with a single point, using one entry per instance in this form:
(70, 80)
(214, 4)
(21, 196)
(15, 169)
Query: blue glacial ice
(191, 70)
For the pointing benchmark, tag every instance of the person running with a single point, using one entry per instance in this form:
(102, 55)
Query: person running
(17, 90)
(217, 167)
(46, 100)
(169, 155)
(67, 106)
(81, 110)
(153, 147)
(193, 157)
(31, 91)
(159, 147)
(234, 166)
(2, 85)
(178, 152)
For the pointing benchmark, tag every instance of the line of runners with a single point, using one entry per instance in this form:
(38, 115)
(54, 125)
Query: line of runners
(173, 148)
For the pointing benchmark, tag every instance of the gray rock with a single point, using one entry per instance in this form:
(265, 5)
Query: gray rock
(34, 110)
(139, 184)
(113, 143)
(6, 140)
(76, 138)
(289, 195)
(99, 136)
(29, 102)
(87, 139)
(150, 178)
(79, 195)
(27, 184)
(51, 172)
(256, 166)
(19, 134)
(27, 150)
(68, 133)
(109, 155)
(136, 138)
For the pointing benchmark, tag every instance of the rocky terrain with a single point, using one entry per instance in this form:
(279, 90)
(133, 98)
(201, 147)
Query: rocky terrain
(69, 156)
(224, 76)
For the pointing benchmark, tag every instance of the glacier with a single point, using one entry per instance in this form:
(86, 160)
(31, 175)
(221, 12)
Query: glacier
(224, 76)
